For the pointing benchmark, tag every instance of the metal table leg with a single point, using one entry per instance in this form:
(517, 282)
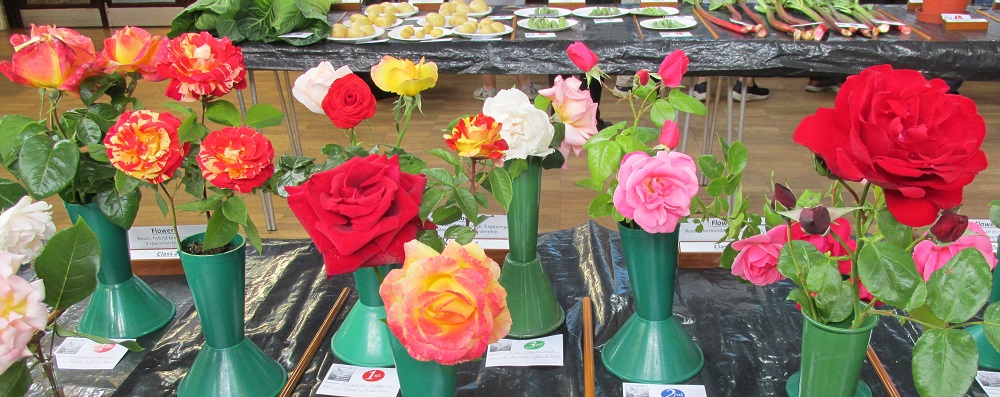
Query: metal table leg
(293, 134)
(265, 198)
(293, 117)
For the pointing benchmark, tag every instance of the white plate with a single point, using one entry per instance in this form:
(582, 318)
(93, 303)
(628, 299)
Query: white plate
(529, 12)
(423, 22)
(378, 32)
(643, 12)
(407, 14)
(507, 30)
(682, 23)
(569, 24)
(394, 34)
(585, 12)
(481, 13)
(399, 21)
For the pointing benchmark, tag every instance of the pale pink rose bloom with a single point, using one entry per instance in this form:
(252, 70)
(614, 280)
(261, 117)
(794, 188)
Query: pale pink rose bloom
(930, 256)
(574, 108)
(25, 227)
(311, 87)
(757, 261)
(656, 191)
(10, 263)
(21, 314)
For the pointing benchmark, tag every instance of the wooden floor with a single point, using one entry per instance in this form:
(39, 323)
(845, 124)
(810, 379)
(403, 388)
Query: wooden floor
(769, 126)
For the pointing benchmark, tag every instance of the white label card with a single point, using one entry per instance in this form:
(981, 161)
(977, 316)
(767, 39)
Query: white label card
(83, 353)
(739, 22)
(438, 40)
(536, 35)
(567, 1)
(296, 35)
(350, 2)
(547, 351)
(644, 390)
(807, 24)
(887, 22)
(608, 20)
(960, 18)
(676, 34)
(845, 25)
(502, 17)
(351, 381)
(990, 381)
(916, 2)
(159, 237)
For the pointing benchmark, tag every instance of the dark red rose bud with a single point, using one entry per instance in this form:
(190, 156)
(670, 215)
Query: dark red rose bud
(820, 166)
(949, 226)
(782, 195)
(815, 220)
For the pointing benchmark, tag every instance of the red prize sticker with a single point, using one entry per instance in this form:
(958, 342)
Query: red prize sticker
(373, 375)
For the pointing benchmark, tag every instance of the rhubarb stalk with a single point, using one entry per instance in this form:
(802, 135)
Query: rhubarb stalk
(741, 29)
(759, 28)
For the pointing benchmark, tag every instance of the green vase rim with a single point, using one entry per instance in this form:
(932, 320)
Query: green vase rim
(238, 242)
(867, 325)
(624, 227)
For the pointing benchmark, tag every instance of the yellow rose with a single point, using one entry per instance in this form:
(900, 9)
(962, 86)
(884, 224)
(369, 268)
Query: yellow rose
(403, 77)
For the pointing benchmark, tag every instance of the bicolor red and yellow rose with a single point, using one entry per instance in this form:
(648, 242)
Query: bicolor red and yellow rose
(403, 76)
(132, 50)
(236, 158)
(51, 57)
(144, 145)
(478, 137)
(202, 67)
(446, 307)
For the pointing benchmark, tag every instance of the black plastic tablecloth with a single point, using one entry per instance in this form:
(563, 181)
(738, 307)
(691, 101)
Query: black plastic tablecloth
(750, 335)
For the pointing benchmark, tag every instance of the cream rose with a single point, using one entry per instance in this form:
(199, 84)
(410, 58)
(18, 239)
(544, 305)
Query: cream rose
(10, 263)
(22, 315)
(311, 87)
(25, 227)
(526, 129)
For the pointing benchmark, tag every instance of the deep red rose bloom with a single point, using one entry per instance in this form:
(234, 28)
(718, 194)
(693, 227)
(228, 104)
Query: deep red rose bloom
(236, 158)
(903, 133)
(360, 213)
(201, 67)
(349, 102)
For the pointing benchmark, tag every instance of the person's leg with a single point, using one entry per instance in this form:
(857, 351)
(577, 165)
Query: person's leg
(489, 88)
(527, 87)
(754, 92)
(701, 88)
(954, 85)
(623, 84)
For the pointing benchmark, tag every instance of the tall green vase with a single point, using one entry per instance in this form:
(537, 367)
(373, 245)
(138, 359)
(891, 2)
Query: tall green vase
(832, 356)
(989, 358)
(122, 306)
(363, 339)
(652, 347)
(530, 299)
(421, 378)
(229, 364)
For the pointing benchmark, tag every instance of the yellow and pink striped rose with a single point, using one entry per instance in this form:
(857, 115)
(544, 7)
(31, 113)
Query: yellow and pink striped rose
(236, 158)
(144, 145)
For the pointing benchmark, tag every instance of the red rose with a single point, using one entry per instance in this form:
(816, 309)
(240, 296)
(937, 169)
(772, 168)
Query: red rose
(349, 102)
(903, 133)
(582, 56)
(827, 243)
(236, 158)
(360, 213)
(201, 67)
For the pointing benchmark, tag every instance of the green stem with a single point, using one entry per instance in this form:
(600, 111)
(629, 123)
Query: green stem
(54, 98)
(407, 114)
(859, 316)
(902, 317)
(916, 241)
(173, 213)
(801, 273)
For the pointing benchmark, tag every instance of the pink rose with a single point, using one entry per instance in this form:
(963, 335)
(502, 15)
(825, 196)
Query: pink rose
(656, 191)
(673, 68)
(582, 56)
(670, 134)
(828, 244)
(757, 261)
(21, 314)
(575, 109)
(930, 257)
(643, 76)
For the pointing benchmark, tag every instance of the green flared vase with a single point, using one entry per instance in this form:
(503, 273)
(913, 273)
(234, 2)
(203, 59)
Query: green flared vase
(530, 299)
(122, 306)
(652, 346)
(832, 356)
(989, 358)
(362, 338)
(229, 364)
(421, 378)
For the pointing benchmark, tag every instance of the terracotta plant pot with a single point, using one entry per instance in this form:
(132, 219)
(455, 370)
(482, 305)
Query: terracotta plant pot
(932, 10)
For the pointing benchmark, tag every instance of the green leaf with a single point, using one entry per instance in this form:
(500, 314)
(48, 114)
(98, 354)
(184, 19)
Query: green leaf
(11, 128)
(431, 239)
(263, 115)
(220, 231)
(799, 296)
(445, 155)
(120, 209)
(923, 314)
(209, 204)
(712, 168)
(590, 184)
(47, 166)
(105, 115)
(125, 183)
(558, 135)
(446, 215)
(161, 203)
(604, 159)
(432, 196)
(87, 131)
(92, 88)
(890, 274)
(995, 212)
(809, 198)
(191, 178)
(225, 113)
(606, 135)
(15, 381)
(737, 159)
(806, 255)
(502, 187)
(716, 187)
(98, 152)
(958, 290)
(191, 130)
(686, 103)
(553, 160)
(824, 279)
(183, 110)
(131, 345)
(460, 233)
(944, 362)
(253, 235)
(235, 209)
(515, 167)
(661, 112)
(440, 175)
(728, 256)
(10, 193)
(631, 144)
(466, 202)
(68, 265)
(893, 231)
(601, 206)
(991, 324)
(647, 134)
(542, 103)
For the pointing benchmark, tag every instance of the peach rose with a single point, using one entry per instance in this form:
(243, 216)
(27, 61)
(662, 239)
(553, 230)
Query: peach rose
(132, 50)
(51, 58)
(21, 314)
(575, 109)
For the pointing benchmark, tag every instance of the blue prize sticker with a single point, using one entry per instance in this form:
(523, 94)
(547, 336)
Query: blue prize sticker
(671, 393)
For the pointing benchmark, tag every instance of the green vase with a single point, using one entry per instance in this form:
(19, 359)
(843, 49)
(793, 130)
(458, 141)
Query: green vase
(530, 299)
(832, 356)
(362, 338)
(989, 358)
(652, 346)
(421, 378)
(122, 306)
(229, 364)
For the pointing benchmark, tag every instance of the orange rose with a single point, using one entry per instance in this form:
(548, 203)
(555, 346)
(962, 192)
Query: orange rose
(144, 145)
(236, 158)
(133, 50)
(202, 67)
(446, 307)
(477, 137)
(51, 58)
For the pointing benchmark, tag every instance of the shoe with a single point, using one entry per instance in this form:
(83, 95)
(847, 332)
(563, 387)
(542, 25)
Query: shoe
(531, 90)
(700, 91)
(821, 85)
(602, 124)
(483, 93)
(754, 93)
(621, 92)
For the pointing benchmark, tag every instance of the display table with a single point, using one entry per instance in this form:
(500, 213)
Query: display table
(625, 47)
(750, 335)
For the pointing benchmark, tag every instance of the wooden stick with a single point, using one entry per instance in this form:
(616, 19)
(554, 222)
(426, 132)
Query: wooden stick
(637, 27)
(707, 25)
(913, 28)
(513, 25)
(883, 375)
(589, 383)
(300, 369)
(988, 15)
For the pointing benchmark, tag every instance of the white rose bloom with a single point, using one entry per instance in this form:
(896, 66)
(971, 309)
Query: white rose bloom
(311, 87)
(10, 263)
(25, 227)
(526, 129)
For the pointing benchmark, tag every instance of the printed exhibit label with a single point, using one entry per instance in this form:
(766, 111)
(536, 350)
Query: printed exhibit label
(645, 390)
(350, 381)
(83, 353)
(547, 351)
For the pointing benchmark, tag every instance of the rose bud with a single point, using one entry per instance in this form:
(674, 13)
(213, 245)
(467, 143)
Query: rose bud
(642, 76)
(815, 220)
(820, 166)
(949, 226)
(783, 196)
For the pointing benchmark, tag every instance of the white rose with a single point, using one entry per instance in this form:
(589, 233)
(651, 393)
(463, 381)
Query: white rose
(526, 129)
(25, 227)
(311, 87)
(10, 263)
